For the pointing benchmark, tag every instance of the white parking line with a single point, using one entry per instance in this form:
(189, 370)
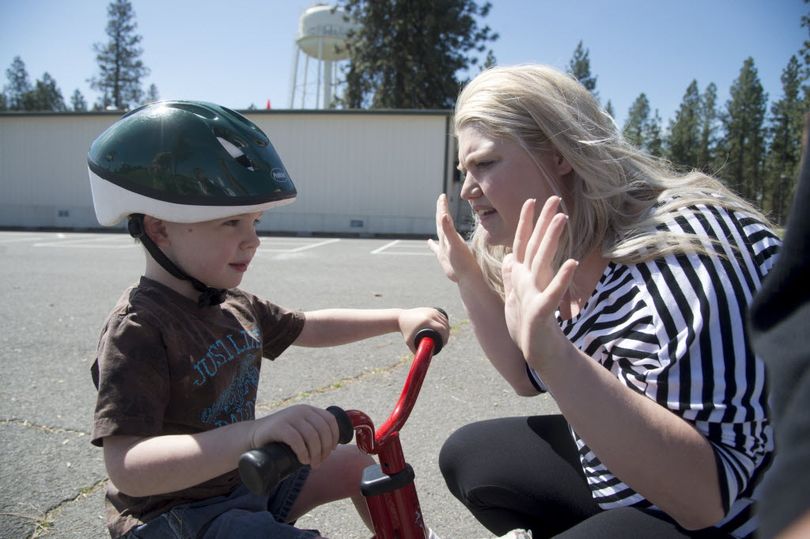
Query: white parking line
(15, 240)
(384, 247)
(104, 241)
(284, 239)
(314, 245)
(270, 245)
(91, 243)
(406, 253)
(387, 250)
(304, 247)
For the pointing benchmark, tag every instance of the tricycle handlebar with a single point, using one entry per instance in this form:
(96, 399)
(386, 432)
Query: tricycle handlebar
(263, 468)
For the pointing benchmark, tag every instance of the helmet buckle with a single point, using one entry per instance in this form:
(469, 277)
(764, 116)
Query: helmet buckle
(135, 225)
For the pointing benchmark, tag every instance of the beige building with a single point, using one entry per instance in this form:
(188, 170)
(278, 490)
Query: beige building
(357, 172)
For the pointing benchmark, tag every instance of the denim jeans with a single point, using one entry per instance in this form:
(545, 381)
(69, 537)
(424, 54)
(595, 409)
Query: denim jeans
(240, 514)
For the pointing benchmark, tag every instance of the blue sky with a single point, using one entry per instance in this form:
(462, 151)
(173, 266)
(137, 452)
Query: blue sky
(240, 52)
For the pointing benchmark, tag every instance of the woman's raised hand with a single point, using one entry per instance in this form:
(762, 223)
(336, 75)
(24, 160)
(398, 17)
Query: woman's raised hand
(452, 252)
(532, 287)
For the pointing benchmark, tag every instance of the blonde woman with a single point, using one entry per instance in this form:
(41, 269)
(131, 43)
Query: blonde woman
(597, 273)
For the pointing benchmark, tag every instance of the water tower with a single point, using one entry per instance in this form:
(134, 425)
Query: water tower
(322, 36)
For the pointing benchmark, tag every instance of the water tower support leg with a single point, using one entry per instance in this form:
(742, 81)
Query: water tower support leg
(294, 77)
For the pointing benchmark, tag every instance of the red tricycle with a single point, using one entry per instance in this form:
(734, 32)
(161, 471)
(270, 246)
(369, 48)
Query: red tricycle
(388, 486)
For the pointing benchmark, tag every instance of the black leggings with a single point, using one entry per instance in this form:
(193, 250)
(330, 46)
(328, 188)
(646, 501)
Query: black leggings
(524, 473)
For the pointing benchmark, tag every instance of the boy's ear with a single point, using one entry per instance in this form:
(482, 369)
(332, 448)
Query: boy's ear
(156, 230)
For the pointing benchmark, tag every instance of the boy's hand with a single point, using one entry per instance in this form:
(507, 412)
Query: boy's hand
(312, 433)
(412, 320)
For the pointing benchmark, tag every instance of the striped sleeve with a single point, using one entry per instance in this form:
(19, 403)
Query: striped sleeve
(674, 330)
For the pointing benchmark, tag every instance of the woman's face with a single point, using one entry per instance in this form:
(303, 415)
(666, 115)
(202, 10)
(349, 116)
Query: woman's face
(499, 176)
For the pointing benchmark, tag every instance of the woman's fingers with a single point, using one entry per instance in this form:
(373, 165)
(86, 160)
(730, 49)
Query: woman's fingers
(561, 281)
(534, 250)
(547, 245)
(445, 222)
(442, 215)
(451, 250)
(533, 288)
(506, 272)
(524, 229)
(547, 214)
(445, 230)
(441, 207)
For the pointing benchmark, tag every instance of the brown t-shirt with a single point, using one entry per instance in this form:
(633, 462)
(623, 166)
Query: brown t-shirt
(167, 366)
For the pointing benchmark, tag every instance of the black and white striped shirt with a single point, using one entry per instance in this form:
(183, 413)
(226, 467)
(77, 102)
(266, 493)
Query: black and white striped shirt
(674, 330)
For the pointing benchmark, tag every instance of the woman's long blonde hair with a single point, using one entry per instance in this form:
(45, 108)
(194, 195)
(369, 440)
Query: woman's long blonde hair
(614, 189)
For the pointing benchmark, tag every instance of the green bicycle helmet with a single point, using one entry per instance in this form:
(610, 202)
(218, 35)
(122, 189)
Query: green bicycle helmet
(184, 161)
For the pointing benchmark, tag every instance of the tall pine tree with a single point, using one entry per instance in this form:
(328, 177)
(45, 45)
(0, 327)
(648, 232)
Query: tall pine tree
(609, 109)
(152, 95)
(46, 95)
(743, 146)
(784, 154)
(638, 116)
(18, 89)
(708, 130)
(643, 130)
(119, 60)
(653, 139)
(410, 53)
(804, 53)
(580, 68)
(77, 101)
(684, 131)
(20, 94)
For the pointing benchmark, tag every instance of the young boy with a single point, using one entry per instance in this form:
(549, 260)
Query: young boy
(179, 356)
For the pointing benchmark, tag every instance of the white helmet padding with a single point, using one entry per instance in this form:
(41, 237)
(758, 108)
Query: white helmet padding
(113, 204)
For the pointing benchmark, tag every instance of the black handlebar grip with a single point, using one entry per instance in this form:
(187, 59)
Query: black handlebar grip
(432, 333)
(345, 427)
(263, 468)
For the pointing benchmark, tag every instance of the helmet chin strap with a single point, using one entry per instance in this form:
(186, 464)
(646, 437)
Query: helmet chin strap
(208, 296)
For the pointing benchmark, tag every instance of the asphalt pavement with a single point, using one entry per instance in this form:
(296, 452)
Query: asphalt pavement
(57, 288)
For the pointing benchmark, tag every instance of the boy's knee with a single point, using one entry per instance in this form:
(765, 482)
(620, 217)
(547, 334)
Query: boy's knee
(351, 462)
(358, 457)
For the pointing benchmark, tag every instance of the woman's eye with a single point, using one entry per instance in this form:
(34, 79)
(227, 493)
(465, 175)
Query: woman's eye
(484, 164)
